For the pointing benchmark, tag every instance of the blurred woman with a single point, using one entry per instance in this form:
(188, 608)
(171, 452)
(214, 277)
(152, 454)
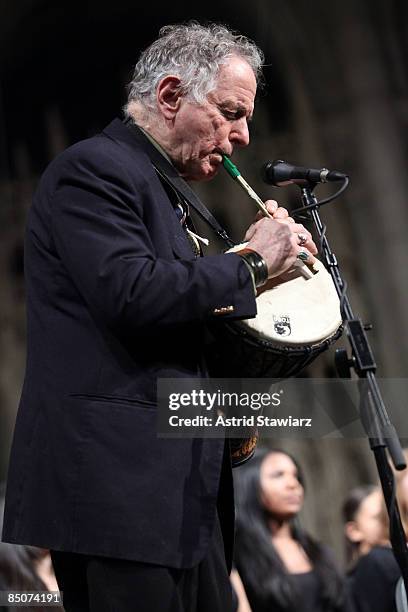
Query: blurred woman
(363, 516)
(283, 569)
(374, 572)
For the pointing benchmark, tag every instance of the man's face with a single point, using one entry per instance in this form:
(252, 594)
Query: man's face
(203, 132)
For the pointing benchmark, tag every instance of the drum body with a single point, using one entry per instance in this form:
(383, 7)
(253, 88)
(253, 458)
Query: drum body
(297, 319)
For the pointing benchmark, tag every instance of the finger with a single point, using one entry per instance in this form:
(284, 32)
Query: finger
(304, 239)
(271, 206)
(287, 220)
(305, 256)
(310, 246)
(280, 213)
(303, 236)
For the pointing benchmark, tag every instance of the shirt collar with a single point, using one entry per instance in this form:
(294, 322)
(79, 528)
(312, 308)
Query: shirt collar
(156, 144)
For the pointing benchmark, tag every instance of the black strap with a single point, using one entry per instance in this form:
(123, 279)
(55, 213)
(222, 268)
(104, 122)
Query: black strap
(165, 169)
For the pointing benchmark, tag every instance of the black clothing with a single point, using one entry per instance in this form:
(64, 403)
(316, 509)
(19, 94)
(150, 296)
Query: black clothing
(116, 299)
(101, 584)
(371, 584)
(308, 587)
(320, 590)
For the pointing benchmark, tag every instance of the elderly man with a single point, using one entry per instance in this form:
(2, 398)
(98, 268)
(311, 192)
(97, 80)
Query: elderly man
(119, 296)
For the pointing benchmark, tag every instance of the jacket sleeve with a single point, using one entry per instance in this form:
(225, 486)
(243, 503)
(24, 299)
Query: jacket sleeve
(100, 236)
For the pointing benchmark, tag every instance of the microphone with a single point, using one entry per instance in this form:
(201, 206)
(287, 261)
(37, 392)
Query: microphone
(281, 173)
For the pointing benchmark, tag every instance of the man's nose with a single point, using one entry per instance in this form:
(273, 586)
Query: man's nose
(240, 133)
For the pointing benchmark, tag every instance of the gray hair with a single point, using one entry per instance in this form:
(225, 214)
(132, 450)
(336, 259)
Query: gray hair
(194, 53)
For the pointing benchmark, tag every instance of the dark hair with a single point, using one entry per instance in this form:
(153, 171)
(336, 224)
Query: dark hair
(260, 566)
(351, 506)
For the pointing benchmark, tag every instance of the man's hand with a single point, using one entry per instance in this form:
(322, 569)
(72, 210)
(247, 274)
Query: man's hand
(280, 240)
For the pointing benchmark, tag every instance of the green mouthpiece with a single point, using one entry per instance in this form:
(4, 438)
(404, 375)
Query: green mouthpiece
(230, 168)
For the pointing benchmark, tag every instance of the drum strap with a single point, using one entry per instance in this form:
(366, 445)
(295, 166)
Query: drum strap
(166, 169)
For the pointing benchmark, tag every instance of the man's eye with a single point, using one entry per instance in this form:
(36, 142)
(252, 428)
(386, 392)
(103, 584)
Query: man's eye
(228, 113)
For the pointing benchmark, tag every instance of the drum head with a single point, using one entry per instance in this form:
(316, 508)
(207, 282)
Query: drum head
(298, 312)
(296, 321)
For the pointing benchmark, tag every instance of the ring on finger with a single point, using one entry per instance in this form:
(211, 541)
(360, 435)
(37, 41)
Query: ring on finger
(303, 256)
(302, 239)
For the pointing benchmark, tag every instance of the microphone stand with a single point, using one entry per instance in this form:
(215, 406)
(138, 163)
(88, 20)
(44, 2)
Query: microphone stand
(381, 433)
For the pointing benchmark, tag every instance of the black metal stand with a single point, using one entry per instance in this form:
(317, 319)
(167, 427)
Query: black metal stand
(381, 433)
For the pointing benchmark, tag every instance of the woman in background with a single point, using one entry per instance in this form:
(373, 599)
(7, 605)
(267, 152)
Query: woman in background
(374, 572)
(283, 569)
(363, 516)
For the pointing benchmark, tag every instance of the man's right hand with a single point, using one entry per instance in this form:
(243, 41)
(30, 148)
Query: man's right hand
(279, 241)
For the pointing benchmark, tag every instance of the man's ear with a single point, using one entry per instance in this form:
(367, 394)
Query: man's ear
(169, 96)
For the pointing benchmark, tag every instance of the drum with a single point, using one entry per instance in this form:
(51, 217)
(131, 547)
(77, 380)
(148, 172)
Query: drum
(298, 318)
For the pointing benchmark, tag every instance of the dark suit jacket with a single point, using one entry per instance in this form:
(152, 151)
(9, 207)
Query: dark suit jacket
(115, 300)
